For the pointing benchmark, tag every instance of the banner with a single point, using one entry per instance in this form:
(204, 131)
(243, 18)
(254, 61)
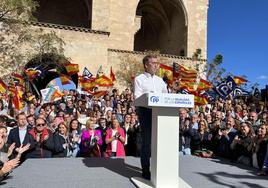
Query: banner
(237, 92)
(225, 88)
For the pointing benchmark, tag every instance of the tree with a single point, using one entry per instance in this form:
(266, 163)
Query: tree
(19, 40)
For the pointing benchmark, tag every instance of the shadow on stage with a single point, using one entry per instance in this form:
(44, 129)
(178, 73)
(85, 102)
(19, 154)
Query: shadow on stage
(116, 165)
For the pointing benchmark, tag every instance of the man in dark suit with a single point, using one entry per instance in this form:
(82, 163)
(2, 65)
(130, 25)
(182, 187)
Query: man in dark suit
(19, 135)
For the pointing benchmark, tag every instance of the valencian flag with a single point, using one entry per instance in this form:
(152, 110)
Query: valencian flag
(104, 81)
(86, 84)
(180, 71)
(32, 73)
(112, 75)
(11, 87)
(204, 85)
(18, 79)
(87, 74)
(166, 72)
(239, 80)
(3, 87)
(99, 72)
(64, 79)
(71, 68)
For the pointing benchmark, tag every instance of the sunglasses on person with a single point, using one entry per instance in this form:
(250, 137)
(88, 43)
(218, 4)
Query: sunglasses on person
(41, 124)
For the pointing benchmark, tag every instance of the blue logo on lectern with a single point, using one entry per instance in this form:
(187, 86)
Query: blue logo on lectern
(154, 99)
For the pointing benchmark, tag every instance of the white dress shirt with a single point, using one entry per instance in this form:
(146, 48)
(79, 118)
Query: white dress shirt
(147, 83)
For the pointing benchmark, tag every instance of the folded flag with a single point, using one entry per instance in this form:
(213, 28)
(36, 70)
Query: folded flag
(71, 68)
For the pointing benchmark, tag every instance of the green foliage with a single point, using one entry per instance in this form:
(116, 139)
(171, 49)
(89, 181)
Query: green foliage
(129, 68)
(19, 41)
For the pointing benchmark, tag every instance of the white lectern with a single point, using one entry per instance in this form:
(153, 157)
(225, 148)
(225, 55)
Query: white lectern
(165, 138)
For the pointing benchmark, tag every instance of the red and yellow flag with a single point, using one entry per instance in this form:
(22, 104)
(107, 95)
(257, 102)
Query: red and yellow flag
(71, 68)
(98, 94)
(204, 85)
(17, 98)
(112, 75)
(18, 79)
(3, 87)
(86, 84)
(239, 80)
(166, 72)
(183, 72)
(104, 81)
(64, 79)
(31, 73)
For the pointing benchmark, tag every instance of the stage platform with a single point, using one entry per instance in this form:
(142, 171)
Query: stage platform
(116, 173)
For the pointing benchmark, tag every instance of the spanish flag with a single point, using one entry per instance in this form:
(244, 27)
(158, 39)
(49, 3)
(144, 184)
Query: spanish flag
(18, 79)
(3, 87)
(86, 84)
(17, 99)
(98, 94)
(204, 85)
(71, 68)
(239, 80)
(199, 99)
(11, 87)
(64, 79)
(166, 72)
(112, 75)
(31, 73)
(104, 81)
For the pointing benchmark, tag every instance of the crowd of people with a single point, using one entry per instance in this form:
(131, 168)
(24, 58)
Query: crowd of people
(233, 129)
(81, 125)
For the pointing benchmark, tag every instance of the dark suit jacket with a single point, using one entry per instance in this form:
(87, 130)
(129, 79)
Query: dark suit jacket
(14, 137)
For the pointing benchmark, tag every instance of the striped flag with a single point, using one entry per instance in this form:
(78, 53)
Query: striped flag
(239, 80)
(18, 79)
(32, 73)
(97, 94)
(183, 72)
(65, 79)
(17, 98)
(3, 87)
(86, 84)
(104, 81)
(71, 68)
(204, 85)
(166, 72)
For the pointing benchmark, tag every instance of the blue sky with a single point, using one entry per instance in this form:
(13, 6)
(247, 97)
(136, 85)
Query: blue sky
(238, 30)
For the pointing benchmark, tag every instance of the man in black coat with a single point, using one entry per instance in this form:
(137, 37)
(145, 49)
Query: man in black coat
(19, 135)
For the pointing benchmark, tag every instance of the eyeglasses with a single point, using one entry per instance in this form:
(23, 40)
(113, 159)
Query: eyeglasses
(41, 124)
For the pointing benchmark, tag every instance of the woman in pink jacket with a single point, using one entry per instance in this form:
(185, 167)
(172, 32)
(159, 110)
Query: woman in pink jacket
(115, 139)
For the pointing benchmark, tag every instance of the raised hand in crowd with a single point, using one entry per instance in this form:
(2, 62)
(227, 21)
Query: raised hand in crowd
(22, 149)
(11, 149)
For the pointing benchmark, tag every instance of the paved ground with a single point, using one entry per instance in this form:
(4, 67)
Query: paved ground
(116, 173)
(214, 173)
